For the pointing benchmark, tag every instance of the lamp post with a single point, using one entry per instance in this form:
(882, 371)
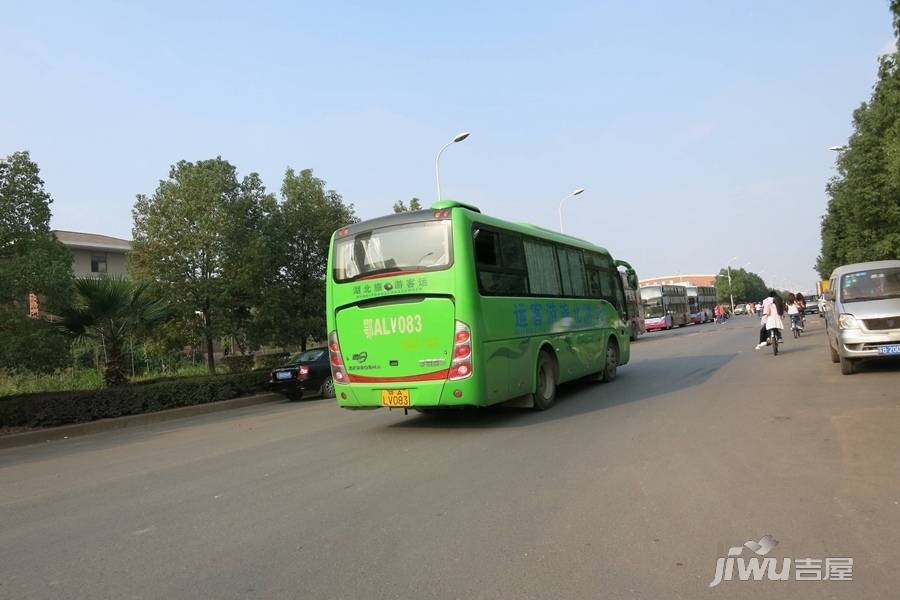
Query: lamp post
(730, 289)
(838, 148)
(437, 161)
(575, 193)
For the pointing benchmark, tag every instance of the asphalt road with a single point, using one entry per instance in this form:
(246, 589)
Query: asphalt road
(626, 490)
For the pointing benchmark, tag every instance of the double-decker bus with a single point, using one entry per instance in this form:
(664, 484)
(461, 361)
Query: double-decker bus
(702, 302)
(665, 306)
(448, 307)
(633, 310)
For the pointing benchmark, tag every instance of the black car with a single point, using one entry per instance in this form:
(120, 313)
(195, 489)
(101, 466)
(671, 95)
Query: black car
(306, 372)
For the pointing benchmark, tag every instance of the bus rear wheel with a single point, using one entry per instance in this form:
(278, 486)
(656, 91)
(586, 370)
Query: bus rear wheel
(545, 390)
(611, 365)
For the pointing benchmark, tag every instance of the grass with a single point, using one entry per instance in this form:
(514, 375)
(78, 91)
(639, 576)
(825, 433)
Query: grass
(14, 383)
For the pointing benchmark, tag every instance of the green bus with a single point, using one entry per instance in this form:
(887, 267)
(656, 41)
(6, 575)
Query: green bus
(448, 307)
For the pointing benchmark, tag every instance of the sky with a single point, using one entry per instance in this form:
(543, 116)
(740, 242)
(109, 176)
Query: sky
(699, 130)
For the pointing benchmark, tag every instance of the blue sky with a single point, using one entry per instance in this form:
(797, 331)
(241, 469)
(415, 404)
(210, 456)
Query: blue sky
(690, 124)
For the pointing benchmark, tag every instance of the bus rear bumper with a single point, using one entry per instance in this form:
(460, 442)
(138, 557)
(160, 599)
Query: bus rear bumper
(422, 394)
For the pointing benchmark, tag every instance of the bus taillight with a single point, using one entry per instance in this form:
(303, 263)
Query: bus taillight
(338, 373)
(461, 367)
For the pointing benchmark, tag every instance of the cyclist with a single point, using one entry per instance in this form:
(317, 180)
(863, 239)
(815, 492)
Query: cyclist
(772, 311)
(801, 305)
(795, 312)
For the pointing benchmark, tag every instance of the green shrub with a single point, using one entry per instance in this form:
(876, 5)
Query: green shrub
(62, 408)
(28, 344)
(270, 361)
(238, 363)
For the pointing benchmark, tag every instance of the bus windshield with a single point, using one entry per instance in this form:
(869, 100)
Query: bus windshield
(409, 247)
(653, 309)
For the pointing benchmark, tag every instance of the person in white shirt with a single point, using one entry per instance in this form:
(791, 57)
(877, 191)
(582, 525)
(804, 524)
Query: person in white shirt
(794, 312)
(772, 311)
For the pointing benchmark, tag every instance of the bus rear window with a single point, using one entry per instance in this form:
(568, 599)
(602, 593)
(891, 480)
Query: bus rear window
(405, 248)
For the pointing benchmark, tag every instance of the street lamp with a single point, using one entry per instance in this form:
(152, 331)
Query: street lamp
(730, 289)
(838, 148)
(575, 193)
(437, 161)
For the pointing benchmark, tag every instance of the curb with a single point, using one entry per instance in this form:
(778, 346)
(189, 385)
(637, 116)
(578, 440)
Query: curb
(50, 434)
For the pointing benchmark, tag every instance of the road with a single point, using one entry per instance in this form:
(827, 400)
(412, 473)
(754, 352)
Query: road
(625, 490)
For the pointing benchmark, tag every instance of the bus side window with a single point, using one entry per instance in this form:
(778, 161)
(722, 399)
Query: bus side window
(571, 264)
(500, 263)
(595, 289)
(485, 248)
(620, 297)
(543, 268)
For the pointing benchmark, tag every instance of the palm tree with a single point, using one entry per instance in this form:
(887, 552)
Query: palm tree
(112, 309)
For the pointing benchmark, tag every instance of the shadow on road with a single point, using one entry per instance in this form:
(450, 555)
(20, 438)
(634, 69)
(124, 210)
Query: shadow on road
(878, 365)
(639, 381)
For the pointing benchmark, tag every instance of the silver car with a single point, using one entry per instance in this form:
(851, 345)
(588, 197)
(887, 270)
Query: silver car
(862, 312)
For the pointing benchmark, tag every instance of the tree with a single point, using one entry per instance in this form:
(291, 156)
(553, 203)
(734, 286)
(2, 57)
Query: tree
(198, 240)
(250, 262)
(745, 285)
(31, 259)
(414, 205)
(28, 344)
(293, 309)
(862, 220)
(112, 310)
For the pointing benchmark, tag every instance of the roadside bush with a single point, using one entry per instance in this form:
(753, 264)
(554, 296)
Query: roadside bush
(270, 361)
(64, 408)
(238, 363)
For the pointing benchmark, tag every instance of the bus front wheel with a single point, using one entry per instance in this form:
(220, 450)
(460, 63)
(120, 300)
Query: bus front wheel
(545, 388)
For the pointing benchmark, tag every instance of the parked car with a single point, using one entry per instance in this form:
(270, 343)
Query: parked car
(304, 372)
(862, 313)
(739, 309)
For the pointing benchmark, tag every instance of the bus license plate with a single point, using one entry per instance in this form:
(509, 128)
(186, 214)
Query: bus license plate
(395, 397)
(890, 349)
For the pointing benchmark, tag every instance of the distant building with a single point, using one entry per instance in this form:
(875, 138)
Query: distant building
(698, 280)
(95, 254)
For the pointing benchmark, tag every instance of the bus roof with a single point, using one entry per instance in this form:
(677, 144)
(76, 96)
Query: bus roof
(540, 232)
(476, 215)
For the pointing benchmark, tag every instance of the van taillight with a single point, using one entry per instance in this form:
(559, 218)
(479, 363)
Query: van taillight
(338, 372)
(461, 367)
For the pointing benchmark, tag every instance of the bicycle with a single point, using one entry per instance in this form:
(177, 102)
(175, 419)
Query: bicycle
(773, 341)
(796, 325)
